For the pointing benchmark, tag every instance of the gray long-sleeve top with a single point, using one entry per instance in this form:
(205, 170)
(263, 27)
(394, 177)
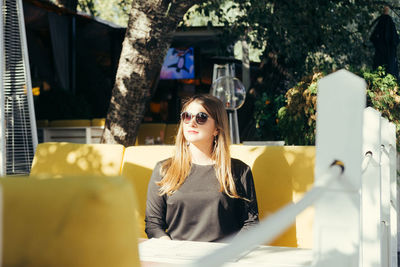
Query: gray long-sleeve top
(198, 211)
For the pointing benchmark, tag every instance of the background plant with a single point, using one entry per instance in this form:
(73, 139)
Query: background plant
(297, 119)
(265, 110)
(382, 94)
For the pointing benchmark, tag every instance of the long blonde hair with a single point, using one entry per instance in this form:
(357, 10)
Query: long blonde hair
(175, 170)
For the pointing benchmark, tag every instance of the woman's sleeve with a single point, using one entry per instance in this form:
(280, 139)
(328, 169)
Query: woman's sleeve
(155, 207)
(251, 207)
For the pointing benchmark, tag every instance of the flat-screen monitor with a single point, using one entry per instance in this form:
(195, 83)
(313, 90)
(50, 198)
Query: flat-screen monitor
(178, 64)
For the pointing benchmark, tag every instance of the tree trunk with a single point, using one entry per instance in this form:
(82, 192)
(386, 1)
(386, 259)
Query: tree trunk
(147, 39)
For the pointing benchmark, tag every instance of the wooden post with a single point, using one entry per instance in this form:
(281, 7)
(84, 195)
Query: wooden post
(340, 106)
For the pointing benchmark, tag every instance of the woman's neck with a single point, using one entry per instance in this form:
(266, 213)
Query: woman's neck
(201, 155)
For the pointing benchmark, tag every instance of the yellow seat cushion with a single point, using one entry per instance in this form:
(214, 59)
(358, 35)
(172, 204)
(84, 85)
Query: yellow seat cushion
(282, 174)
(66, 159)
(70, 123)
(68, 222)
(138, 165)
(98, 122)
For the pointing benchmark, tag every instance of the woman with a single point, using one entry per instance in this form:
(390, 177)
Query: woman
(200, 193)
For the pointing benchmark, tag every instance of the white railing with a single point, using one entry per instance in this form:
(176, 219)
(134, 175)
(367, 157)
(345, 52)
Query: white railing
(354, 194)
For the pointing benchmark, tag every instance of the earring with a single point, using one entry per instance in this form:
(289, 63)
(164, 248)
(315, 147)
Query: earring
(215, 141)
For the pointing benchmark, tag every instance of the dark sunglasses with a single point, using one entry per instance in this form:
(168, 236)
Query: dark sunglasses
(201, 117)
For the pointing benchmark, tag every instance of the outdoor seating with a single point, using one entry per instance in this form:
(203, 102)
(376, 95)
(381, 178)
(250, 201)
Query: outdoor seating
(90, 131)
(75, 131)
(281, 174)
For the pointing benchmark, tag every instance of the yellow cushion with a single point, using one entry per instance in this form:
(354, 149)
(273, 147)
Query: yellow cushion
(98, 122)
(138, 165)
(66, 159)
(69, 222)
(150, 130)
(281, 175)
(70, 123)
(170, 133)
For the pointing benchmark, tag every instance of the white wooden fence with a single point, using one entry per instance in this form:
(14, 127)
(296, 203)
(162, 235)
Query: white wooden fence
(354, 195)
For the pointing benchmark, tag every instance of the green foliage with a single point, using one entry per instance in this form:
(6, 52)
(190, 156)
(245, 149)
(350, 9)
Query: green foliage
(297, 119)
(116, 11)
(301, 35)
(88, 6)
(382, 94)
(265, 109)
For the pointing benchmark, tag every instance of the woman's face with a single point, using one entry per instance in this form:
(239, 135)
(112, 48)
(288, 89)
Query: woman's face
(199, 134)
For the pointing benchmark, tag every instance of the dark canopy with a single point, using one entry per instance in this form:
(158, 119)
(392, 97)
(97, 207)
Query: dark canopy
(385, 40)
(73, 52)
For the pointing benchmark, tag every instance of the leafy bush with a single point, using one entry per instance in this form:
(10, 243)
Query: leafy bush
(382, 94)
(297, 120)
(265, 109)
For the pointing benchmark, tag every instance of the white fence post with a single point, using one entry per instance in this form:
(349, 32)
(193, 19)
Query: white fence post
(388, 194)
(340, 105)
(370, 193)
(393, 193)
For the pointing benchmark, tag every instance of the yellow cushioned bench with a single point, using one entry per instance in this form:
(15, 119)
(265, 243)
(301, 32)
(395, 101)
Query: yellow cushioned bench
(80, 222)
(138, 165)
(69, 159)
(281, 173)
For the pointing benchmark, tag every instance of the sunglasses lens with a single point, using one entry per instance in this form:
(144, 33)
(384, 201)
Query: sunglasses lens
(201, 118)
(186, 117)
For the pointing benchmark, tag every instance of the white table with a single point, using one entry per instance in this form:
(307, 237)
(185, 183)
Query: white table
(157, 252)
